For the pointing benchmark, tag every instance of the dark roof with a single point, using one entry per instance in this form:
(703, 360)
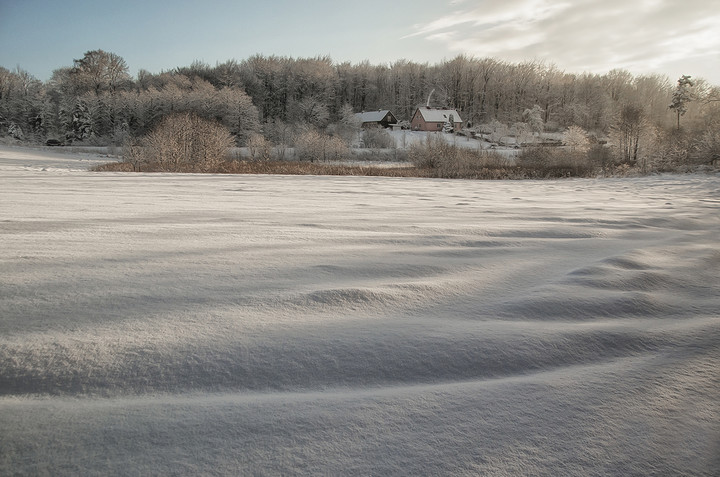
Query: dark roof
(372, 116)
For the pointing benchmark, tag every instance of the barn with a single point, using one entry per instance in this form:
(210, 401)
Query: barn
(434, 119)
(379, 118)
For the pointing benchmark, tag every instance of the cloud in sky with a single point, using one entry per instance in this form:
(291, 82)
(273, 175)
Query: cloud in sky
(642, 36)
(670, 37)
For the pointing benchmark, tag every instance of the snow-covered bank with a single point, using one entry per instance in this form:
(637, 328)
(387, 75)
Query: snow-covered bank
(56, 159)
(267, 325)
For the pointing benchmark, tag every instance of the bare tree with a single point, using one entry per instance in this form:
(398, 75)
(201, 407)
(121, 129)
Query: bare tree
(310, 110)
(98, 71)
(485, 72)
(713, 95)
(628, 130)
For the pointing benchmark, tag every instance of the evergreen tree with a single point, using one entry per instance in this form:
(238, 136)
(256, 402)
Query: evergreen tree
(681, 97)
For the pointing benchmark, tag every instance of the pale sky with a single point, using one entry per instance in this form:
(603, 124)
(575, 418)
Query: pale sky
(670, 37)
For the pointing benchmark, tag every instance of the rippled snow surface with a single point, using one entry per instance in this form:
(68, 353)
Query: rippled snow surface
(163, 324)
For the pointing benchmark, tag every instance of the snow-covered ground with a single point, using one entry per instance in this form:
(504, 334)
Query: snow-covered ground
(404, 139)
(167, 324)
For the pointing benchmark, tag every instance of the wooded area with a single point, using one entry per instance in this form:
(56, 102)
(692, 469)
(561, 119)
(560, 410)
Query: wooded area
(96, 101)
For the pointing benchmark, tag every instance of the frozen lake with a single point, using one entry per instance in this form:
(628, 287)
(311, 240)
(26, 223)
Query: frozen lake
(157, 324)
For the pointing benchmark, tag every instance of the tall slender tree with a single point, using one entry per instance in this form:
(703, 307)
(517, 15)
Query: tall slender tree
(682, 96)
(629, 129)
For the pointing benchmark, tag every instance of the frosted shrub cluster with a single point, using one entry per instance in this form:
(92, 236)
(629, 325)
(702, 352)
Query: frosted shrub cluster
(312, 145)
(182, 142)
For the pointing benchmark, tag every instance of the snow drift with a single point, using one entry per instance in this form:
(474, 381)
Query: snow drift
(272, 325)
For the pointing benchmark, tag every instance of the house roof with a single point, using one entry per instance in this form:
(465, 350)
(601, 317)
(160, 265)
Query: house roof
(433, 115)
(372, 116)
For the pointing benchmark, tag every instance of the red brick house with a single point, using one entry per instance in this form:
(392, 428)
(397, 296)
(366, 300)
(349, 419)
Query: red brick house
(434, 119)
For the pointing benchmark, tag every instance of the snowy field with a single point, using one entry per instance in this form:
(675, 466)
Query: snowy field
(166, 324)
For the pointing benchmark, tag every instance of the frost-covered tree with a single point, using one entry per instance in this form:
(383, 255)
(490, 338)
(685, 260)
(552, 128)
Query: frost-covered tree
(652, 92)
(682, 95)
(523, 133)
(712, 95)
(311, 111)
(236, 111)
(576, 139)
(349, 125)
(21, 98)
(628, 131)
(348, 117)
(449, 125)
(709, 146)
(227, 74)
(497, 131)
(82, 123)
(99, 71)
(15, 131)
(534, 118)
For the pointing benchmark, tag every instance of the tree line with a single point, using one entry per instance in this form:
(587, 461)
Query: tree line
(97, 101)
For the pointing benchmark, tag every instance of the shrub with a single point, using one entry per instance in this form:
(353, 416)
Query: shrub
(495, 131)
(377, 138)
(438, 158)
(709, 145)
(181, 142)
(259, 147)
(428, 155)
(576, 139)
(548, 162)
(599, 157)
(523, 133)
(15, 131)
(312, 145)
